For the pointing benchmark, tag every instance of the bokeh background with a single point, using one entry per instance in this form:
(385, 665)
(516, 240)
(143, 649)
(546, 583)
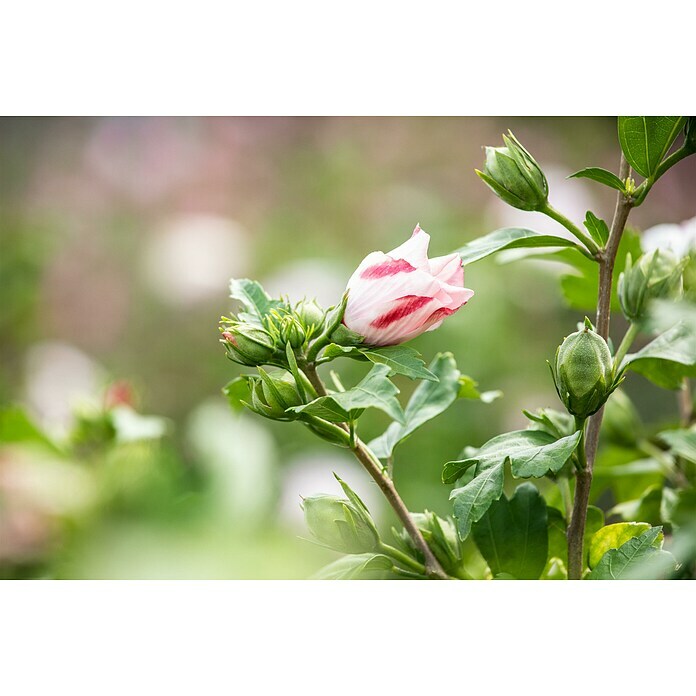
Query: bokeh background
(117, 240)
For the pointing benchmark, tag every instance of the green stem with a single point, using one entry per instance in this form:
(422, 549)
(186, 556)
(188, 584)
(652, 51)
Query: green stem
(572, 228)
(626, 343)
(403, 558)
(373, 466)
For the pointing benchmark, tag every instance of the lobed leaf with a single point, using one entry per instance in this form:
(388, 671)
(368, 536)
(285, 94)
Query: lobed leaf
(532, 454)
(429, 400)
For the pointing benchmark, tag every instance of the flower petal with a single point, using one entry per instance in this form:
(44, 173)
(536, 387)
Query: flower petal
(415, 250)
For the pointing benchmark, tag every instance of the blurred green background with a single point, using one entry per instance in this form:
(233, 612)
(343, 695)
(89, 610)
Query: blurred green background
(117, 240)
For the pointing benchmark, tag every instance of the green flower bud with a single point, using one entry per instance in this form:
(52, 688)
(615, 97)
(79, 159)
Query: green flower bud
(583, 372)
(340, 524)
(292, 332)
(440, 535)
(657, 275)
(514, 176)
(621, 423)
(272, 394)
(311, 315)
(248, 345)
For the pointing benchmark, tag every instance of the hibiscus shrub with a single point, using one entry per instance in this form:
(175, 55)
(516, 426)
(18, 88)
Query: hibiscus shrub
(392, 298)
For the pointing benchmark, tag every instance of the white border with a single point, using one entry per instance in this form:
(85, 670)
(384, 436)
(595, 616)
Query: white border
(103, 638)
(364, 57)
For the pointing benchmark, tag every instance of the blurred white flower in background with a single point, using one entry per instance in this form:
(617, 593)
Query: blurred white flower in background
(240, 457)
(319, 279)
(58, 379)
(192, 258)
(678, 238)
(313, 472)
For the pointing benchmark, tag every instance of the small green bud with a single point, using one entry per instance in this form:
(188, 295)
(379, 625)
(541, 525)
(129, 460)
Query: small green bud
(621, 423)
(273, 393)
(248, 345)
(311, 315)
(514, 176)
(583, 372)
(292, 332)
(442, 538)
(656, 275)
(340, 524)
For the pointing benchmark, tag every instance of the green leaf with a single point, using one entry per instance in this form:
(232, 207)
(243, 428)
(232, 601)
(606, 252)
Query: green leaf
(333, 351)
(509, 238)
(513, 537)
(532, 454)
(253, 297)
(326, 408)
(468, 390)
(364, 566)
(645, 140)
(473, 500)
(613, 536)
(681, 442)
(429, 400)
(636, 559)
(237, 392)
(375, 391)
(668, 358)
(402, 360)
(580, 290)
(598, 229)
(600, 175)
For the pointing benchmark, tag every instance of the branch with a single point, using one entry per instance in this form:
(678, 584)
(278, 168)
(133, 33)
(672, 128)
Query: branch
(607, 258)
(364, 455)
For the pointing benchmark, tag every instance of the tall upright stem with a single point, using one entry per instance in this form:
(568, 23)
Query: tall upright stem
(606, 260)
(364, 455)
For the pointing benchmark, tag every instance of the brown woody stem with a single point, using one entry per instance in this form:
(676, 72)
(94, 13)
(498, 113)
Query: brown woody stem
(606, 260)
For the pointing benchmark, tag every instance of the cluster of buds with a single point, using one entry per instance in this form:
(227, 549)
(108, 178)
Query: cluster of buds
(442, 538)
(656, 275)
(342, 524)
(583, 372)
(264, 343)
(514, 176)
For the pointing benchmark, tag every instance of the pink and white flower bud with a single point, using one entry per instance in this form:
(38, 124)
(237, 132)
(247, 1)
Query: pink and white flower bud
(395, 297)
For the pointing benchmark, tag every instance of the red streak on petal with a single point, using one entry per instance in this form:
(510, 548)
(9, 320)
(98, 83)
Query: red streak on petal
(409, 305)
(440, 314)
(387, 268)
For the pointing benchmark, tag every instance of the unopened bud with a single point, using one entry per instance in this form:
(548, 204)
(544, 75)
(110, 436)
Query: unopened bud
(248, 345)
(656, 275)
(583, 372)
(514, 176)
(340, 524)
